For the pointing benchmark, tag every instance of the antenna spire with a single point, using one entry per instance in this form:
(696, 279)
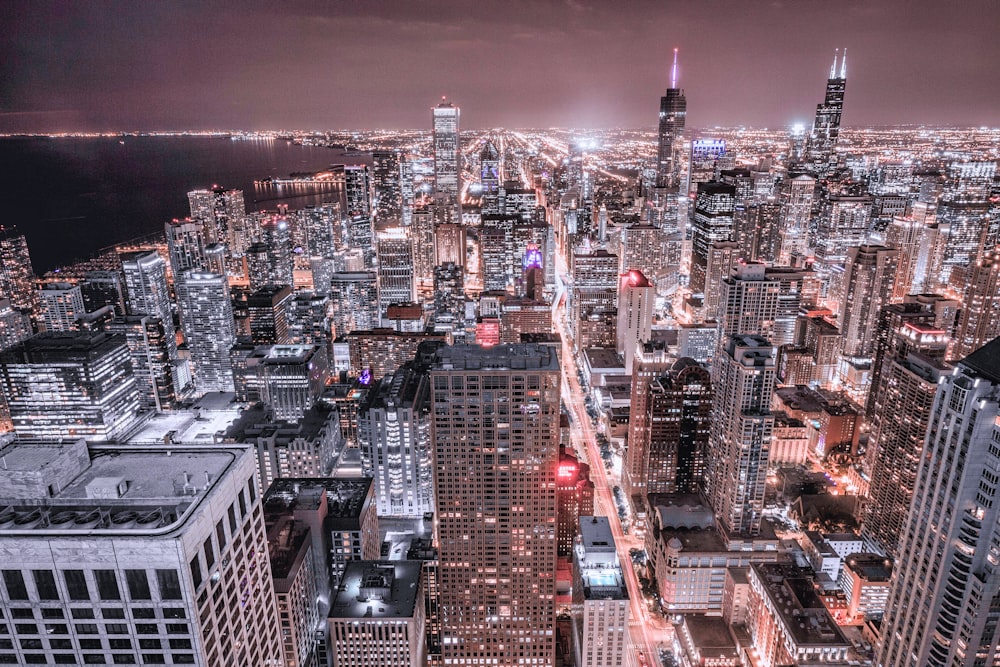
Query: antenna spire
(833, 68)
(843, 65)
(673, 72)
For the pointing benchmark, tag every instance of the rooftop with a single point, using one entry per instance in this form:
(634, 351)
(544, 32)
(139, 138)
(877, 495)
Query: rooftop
(377, 589)
(799, 606)
(499, 357)
(76, 489)
(346, 497)
(986, 360)
(710, 634)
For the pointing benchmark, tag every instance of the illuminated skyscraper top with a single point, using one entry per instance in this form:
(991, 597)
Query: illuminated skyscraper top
(826, 127)
(673, 110)
(446, 159)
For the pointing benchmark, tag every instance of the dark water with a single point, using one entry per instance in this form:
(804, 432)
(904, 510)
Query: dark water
(72, 197)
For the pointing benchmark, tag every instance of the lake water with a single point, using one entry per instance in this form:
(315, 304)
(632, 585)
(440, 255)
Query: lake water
(74, 196)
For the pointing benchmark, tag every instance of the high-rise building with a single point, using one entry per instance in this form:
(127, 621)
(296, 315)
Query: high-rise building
(322, 226)
(819, 153)
(269, 261)
(635, 315)
(354, 302)
(377, 615)
(495, 430)
(651, 360)
(942, 607)
(600, 597)
(59, 306)
(748, 302)
(869, 279)
(103, 288)
(268, 313)
(394, 434)
(388, 202)
(673, 114)
(209, 329)
(223, 214)
(741, 432)
(148, 294)
(711, 222)
(910, 368)
(147, 345)
(447, 161)
(678, 414)
(70, 385)
(574, 499)
(135, 555)
(489, 177)
(396, 282)
(186, 245)
(17, 279)
(594, 291)
(357, 189)
(979, 321)
(796, 200)
(291, 378)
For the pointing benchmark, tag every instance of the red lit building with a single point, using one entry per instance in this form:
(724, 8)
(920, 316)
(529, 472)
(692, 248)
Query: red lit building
(574, 498)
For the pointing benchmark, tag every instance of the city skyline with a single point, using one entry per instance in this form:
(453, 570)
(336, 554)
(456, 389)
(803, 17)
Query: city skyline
(120, 66)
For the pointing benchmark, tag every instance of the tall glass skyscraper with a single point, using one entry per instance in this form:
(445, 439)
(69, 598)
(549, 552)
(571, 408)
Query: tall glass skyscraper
(673, 113)
(447, 164)
(826, 127)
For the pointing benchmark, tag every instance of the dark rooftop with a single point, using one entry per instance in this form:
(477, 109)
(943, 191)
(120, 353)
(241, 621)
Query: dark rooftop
(986, 360)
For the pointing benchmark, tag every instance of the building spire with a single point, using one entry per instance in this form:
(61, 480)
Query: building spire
(843, 65)
(673, 71)
(833, 68)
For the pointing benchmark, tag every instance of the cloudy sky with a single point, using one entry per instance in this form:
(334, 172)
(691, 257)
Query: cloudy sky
(517, 63)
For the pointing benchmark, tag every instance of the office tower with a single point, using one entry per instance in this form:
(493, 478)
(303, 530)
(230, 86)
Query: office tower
(496, 433)
(741, 432)
(70, 385)
(910, 367)
(291, 378)
(59, 306)
(447, 161)
(489, 177)
(910, 236)
(361, 237)
(795, 200)
(296, 593)
(17, 279)
(600, 597)
(764, 244)
(822, 142)
(798, 288)
(215, 259)
(354, 302)
(308, 316)
(711, 222)
(394, 430)
(651, 360)
(942, 606)
(322, 226)
(357, 189)
(421, 232)
(869, 278)
(748, 302)
(979, 321)
(150, 354)
(209, 329)
(449, 298)
(395, 270)
(388, 202)
(594, 294)
(678, 413)
(174, 559)
(269, 260)
(673, 112)
(146, 285)
(722, 257)
(268, 313)
(15, 325)
(635, 315)
(186, 245)
(377, 615)
(449, 244)
(103, 288)
(223, 216)
(574, 499)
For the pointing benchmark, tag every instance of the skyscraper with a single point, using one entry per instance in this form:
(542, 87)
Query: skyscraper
(396, 283)
(388, 202)
(870, 275)
(167, 544)
(673, 113)
(17, 279)
(712, 222)
(489, 177)
(186, 245)
(70, 385)
(447, 162)
(678, 412)
(741, 433)
(495, 416)
(209, 329)
(942, 607)
(600, 597)
(59, 306)
(826, 127)
(146, 284)
(635, 314)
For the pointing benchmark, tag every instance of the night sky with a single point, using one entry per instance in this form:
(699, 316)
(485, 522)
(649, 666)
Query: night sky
(595, 63)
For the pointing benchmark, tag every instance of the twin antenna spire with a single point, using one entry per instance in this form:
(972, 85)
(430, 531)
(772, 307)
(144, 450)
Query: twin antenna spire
(843, 65)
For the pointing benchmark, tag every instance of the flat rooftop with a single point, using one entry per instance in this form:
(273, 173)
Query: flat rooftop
(378, 589)
(522, 356)
(198, 424)
(603, 358)
(75, 489)
(345, 497)
(794, 597)
(710, 634)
